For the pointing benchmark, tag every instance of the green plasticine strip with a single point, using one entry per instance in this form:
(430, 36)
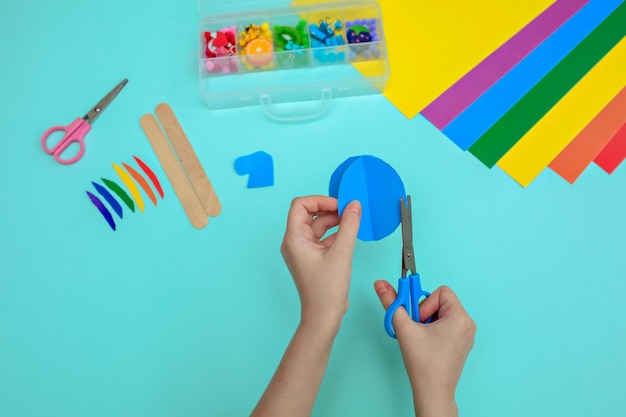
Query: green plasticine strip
(120, 193)
(515, 123)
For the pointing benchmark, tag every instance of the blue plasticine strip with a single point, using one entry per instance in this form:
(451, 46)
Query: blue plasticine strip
(109, 198)
(470, 125)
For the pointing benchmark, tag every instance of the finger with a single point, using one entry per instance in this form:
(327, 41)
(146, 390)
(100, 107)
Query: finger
(386, 293)
(322, 223)
(304, 208)
(329, 240)
(443, 302)
(348, 229)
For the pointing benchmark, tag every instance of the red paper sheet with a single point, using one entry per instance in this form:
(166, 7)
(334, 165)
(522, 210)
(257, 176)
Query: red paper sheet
(614, 153)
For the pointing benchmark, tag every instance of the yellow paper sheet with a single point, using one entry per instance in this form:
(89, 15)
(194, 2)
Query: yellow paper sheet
(567, 118)
(432, 44)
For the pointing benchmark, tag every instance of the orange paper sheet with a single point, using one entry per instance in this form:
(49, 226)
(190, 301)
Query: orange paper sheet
(573, 160)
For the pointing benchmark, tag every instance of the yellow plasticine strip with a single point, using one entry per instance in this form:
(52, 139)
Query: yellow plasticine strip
(130, 184)
(567, 118)
(142, 182)
(432, 44)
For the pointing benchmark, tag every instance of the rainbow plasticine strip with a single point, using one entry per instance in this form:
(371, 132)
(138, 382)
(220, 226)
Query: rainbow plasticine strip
(117, 190)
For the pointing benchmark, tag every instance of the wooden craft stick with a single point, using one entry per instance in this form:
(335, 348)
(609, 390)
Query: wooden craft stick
(184, 190)
(198, 178)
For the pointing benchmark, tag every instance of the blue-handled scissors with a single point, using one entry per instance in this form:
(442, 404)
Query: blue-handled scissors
(75, 132)
(409, 288)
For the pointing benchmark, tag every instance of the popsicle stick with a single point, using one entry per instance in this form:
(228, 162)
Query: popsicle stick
(183, 189)
(192, 166)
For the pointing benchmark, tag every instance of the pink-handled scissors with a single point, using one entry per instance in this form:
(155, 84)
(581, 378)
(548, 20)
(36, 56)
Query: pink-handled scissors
(76, 131)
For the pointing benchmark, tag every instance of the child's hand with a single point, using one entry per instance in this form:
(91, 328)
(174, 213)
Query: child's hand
(321, 269)
(434, 354)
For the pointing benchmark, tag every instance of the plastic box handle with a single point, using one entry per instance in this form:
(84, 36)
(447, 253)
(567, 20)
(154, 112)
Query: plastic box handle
(296, 113)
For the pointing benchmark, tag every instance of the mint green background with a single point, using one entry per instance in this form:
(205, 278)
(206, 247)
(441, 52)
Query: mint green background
(160, 319)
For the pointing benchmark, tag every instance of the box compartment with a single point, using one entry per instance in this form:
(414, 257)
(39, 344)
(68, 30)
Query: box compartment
(293, 54)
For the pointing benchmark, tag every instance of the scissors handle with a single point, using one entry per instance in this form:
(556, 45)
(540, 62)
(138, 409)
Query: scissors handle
(75, 132)
(409, 294)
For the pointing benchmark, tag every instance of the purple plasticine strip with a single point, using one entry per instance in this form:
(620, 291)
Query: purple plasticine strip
(465, 91)
(109, 198)
(103, 210)
(469, 126)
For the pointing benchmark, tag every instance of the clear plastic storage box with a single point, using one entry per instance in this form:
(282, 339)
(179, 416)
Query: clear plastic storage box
(278, 55)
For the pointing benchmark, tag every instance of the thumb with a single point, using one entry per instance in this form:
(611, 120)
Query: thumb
(348, 227)
(386, 293)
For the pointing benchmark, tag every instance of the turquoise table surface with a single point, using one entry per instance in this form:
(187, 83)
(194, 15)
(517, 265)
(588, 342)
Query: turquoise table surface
(160, 319)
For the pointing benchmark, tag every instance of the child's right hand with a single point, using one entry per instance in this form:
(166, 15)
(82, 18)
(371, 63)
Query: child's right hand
(434, 354)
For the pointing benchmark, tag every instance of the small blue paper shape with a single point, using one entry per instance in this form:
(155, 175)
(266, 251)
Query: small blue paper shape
(258, 166)
(377, 186)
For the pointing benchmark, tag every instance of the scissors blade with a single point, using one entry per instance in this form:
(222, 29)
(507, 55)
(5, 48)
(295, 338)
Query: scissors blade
(408, 256)
(93, 114)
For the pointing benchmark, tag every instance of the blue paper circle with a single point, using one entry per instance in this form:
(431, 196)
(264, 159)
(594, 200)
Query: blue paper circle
(335, 179)
(377, 186)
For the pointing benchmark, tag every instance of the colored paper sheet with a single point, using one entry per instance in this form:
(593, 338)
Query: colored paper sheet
(432, 44)
(503, 135)
(581, 151)
(335, 179)
(465, 91)
(475, 121)
(614, 152)
(377, 186)
(568, 118)
(259, 167)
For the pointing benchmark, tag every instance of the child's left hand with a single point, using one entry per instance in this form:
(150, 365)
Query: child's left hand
(321, 268)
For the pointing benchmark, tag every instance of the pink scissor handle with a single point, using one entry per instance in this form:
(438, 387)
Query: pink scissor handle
(75, 132)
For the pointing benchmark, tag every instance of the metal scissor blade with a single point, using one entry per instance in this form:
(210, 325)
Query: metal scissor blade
(408, 256)
(93, 114)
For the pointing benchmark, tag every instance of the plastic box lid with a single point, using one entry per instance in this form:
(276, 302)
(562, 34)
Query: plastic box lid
(343, 54)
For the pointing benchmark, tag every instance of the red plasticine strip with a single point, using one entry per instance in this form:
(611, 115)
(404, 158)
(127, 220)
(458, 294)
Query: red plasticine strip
(150, 174)
(614, 153)
(465, 91)
(142, 181)
(581, 151)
